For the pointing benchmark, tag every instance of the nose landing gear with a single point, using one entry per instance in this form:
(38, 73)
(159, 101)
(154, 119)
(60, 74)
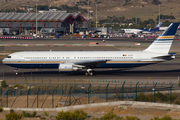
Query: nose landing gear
(16, 70)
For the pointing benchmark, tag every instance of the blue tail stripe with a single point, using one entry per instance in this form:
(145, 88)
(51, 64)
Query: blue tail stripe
(171, 30)
(164, 39)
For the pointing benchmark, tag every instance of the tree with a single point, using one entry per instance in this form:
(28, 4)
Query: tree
(166, 17)
(13, 116)
(42, 7)
(156, 2)
(3, 84)
(127, 1)
(151, 21)
(19, 11)
(166, 23)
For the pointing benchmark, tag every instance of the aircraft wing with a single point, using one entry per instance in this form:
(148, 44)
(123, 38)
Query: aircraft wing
(90, 63)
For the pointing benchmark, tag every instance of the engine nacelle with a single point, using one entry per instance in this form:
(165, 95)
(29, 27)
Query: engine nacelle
(135, 33)
(68, 67)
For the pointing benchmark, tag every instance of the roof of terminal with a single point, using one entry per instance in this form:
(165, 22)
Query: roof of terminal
(45, 16)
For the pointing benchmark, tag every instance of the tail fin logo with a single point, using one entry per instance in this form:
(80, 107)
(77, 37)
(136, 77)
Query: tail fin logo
(158, 26)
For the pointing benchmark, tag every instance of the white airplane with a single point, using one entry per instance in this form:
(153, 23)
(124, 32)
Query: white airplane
(78, 60)
(144, 31)
(164, 28)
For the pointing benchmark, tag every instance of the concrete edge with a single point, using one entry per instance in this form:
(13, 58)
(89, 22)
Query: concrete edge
(20, 45)
(4, 53)
(146, 104)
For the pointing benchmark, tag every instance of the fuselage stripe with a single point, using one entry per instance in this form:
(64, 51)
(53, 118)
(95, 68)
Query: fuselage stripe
(166, 37)
(58, 62)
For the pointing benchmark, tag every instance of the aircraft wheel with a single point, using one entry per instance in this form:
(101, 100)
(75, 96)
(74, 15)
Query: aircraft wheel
(86, 74)
(91, 74)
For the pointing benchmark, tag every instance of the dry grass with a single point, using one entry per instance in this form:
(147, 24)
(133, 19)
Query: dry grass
(110, 8)
(146, 12)
(45, 101)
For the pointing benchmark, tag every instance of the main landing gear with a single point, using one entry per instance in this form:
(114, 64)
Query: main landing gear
(90, 72)
(16, 70)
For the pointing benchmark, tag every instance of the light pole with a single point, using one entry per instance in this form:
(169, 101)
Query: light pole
(36, 18)
(96, 15)
(88, 9)
(88, 13)
(159, 12)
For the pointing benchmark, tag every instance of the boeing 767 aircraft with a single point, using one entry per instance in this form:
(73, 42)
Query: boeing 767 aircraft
(78, 60)
(143, 31)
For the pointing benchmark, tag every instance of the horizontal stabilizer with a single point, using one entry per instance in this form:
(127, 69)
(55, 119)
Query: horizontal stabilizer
(166, 57)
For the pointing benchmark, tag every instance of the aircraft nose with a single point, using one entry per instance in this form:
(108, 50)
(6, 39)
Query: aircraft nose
(3, 60)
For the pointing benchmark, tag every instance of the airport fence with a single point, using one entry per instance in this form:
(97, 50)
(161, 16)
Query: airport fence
(57, 93)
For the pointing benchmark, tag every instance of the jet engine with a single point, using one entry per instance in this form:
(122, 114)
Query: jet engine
(68, 67)
(135, 33)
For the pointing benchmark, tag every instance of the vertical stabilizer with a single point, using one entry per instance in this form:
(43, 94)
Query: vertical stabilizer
(158, 26)
(163, 43)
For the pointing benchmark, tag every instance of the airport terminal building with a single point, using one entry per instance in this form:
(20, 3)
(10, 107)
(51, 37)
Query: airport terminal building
(25, 23)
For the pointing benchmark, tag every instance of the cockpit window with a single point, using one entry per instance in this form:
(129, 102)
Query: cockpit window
(8, 57)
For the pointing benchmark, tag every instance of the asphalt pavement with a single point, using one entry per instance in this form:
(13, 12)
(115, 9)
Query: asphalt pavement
(163, 71)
